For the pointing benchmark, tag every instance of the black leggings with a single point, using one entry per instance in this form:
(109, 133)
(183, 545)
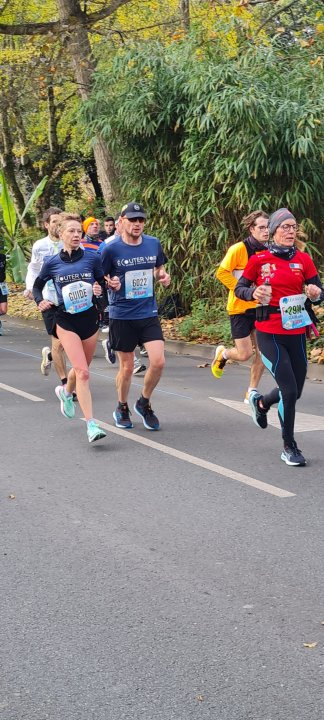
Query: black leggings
(285, 357)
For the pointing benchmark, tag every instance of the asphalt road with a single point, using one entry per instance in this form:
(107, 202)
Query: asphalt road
(175, 575)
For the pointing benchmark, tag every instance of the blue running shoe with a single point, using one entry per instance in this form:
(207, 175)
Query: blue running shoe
(150, 421)
(292, 455)
(259, 415)
(122, 417)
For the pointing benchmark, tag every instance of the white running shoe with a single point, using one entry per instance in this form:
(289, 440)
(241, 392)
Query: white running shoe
(46, 363)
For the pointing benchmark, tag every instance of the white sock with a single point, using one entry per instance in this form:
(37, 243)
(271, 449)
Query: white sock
(224, 354)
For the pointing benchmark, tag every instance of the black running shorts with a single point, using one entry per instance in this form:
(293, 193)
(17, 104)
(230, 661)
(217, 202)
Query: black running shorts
(49, 318)
(242, 324)
(124, 335)
(84, 324)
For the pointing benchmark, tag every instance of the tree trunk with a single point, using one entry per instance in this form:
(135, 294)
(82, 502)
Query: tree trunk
(184, 8)
(6, 157)
(73, 25)
(91, 170)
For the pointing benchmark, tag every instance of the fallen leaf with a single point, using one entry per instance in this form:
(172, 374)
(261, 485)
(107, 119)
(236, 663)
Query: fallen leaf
(199, 697)
(310, 645)
(11, 497)
(203, 365)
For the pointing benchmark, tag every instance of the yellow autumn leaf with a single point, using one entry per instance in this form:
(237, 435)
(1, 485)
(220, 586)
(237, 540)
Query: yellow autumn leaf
(319, 28)
(310, 645)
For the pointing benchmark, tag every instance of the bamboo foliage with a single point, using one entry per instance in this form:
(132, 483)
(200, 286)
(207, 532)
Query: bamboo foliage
(203, 138)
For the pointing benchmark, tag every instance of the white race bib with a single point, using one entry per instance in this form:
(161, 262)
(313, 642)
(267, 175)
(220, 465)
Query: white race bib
(77, 297)
(49, 293)
(138, 284)
(4, 288)
(293, 313)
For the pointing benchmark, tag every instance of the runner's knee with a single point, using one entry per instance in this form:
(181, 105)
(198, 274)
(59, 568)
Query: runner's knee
(82, 374)
(157, 363)
(126, 369)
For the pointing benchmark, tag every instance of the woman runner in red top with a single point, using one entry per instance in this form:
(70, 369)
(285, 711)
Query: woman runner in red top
(281, 279)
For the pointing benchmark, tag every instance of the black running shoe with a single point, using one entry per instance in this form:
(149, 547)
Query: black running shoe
(122, 417)
(259, 415)
(138, 367)
(292, 455)
(150, 421)
(110, 354)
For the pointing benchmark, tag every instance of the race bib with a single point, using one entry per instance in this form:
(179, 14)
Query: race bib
(293, 313)
(49, 293)
(138, 284)
(77, 297)
(4, 288)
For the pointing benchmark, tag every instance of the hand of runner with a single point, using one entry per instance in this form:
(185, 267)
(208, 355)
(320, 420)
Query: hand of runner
(44, 305)
(262, 294)
(164, 279)
(97, 289)
(28, 294)
(113, 283)
(313, 292)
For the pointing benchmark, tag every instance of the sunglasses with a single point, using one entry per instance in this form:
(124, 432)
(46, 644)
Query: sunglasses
(136, 219)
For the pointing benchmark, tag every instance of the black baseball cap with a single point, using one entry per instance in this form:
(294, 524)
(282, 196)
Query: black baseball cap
(133, 210)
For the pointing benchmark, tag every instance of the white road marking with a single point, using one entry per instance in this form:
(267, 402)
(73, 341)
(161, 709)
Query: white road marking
(212, 467)
(304, 422)
(23, 394)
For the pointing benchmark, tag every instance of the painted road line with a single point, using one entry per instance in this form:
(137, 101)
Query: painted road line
(103, 375)
(304, 422)
(22, 393)
(212, 467)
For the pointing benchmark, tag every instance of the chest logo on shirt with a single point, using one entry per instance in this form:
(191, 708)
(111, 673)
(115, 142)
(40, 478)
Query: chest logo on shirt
(136, 261)
(71, 278)
(268, 270)
(296, 267)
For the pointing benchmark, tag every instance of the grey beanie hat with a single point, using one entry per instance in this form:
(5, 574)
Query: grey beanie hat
(278, 217)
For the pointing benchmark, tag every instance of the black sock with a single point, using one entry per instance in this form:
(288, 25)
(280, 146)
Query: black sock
(64, 381)
(143, 400)
(49, 355)
(122, 404)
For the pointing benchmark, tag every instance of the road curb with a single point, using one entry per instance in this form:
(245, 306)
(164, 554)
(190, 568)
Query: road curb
(315, 372)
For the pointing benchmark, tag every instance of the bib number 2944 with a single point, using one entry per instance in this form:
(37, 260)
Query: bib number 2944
(293, 312)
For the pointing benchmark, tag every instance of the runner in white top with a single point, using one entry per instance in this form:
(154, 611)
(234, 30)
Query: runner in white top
(44, 248)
